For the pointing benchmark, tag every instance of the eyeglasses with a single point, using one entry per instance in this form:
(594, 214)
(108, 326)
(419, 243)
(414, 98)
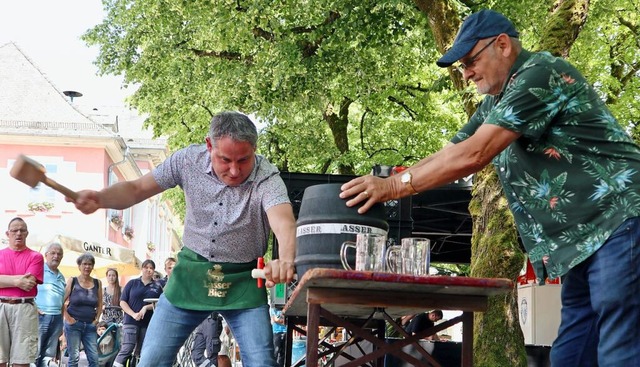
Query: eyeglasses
(16, 231)
(472, 60)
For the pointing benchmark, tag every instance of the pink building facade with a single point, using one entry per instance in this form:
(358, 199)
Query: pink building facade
(81, 151)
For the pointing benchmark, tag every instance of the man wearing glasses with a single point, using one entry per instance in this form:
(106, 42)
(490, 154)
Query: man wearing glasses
(49, 301)
(21, 269)
(571, 175)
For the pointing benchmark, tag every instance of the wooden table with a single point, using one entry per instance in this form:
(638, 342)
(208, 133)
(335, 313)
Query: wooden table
(361, 302)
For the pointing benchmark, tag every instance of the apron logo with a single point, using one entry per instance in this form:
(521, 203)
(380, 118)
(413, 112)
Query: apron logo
(217, 288)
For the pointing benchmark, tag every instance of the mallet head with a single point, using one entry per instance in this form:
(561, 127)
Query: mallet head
(28, 171)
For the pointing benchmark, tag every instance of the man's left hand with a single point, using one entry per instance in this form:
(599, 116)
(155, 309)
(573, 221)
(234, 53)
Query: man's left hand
(368, 190)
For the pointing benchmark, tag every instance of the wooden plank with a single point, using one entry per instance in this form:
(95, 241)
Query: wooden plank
(467, 339)
(387, 282)
(313, 323)
(288, 342)
(338, 278)
(359, 302)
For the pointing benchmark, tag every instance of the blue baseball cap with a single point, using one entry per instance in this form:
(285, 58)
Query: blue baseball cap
(477, 26)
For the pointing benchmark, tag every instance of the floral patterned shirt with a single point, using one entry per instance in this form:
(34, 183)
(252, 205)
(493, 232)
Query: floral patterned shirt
(110, 315)
(572, 177)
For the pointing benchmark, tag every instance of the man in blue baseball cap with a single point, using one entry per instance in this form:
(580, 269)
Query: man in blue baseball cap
(571, 175)
(478, 26)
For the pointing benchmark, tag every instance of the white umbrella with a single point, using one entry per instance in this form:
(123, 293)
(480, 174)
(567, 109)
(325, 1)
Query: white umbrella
(107, 254)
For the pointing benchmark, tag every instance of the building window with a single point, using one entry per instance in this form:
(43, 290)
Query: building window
(42, 193)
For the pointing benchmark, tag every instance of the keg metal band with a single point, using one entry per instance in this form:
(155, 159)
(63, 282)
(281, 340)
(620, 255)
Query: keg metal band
(337, 228)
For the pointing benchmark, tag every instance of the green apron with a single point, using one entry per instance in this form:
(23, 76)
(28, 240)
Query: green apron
(197, 284)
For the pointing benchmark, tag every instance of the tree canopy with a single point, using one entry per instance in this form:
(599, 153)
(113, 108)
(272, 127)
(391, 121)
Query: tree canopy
(341, 85)
(337, 86)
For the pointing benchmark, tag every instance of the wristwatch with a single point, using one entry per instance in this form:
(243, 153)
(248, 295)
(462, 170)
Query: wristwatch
(406, 180)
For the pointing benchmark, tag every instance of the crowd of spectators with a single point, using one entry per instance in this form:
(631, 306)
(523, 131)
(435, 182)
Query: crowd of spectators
(50, 317)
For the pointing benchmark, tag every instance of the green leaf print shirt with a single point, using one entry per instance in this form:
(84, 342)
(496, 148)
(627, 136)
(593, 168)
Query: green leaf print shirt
(573, 176)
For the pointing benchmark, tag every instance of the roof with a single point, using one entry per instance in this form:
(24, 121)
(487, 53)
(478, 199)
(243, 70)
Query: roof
(29, 101)
(33, 111)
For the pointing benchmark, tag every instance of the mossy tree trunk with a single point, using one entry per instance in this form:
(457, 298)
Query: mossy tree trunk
(498, 340)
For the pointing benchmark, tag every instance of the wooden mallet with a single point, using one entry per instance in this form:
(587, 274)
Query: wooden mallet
(30, 172)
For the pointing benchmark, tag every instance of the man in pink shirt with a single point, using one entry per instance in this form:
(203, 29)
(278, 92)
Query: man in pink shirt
(21, 269)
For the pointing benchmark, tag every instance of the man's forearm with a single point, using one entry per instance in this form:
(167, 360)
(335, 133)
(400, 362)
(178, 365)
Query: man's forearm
(287, 252)
(8, 281)
(283, 224)
(118, 196)
(128, 193)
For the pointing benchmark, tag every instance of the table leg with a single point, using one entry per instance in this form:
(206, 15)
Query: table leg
(313, 323)
(467, 339)
(380, 331)
(289, 342)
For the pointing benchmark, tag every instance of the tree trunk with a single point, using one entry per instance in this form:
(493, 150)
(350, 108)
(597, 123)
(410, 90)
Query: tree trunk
(445, 23)
(495, 253)
(338, 122)
(563, 26)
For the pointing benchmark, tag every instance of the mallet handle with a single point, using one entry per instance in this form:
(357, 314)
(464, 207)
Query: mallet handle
(60, 188)
(258, 274)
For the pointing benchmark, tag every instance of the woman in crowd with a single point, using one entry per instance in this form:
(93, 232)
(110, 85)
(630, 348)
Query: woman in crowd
(111, 298)
(137, 312)
(81, 312)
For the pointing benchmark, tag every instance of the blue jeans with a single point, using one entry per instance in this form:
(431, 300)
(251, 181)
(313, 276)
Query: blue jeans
(601, 305)
(85, 332)
(49, 330)
(170, 326)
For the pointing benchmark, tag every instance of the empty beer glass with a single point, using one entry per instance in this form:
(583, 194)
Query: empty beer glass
(411, 257)
(370, 251)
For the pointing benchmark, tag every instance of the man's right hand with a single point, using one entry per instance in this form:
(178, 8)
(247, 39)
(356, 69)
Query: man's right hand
(26, 282)
(87, 202)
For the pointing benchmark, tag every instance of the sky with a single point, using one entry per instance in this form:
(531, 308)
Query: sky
(48, 32)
